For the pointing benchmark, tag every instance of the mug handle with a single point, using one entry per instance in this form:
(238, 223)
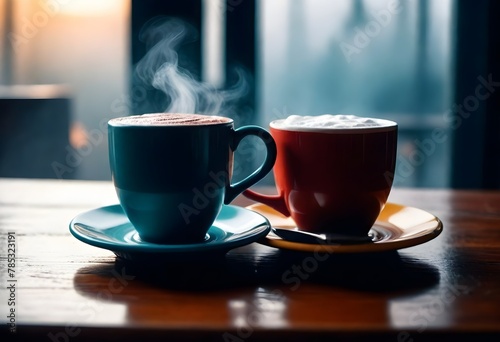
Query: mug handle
(277, 202)
(233, 190)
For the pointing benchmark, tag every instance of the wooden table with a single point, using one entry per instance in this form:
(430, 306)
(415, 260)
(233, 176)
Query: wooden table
(66, 290)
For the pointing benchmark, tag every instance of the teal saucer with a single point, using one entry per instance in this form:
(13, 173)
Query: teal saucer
(109, 228)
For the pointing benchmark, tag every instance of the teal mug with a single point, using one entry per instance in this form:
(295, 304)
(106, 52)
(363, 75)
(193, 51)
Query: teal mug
(172, 172)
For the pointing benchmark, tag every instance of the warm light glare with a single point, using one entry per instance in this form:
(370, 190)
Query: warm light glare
(78, 135)
(90, 7)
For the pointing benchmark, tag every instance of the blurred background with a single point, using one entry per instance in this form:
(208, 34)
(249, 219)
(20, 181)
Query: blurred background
(68, 66)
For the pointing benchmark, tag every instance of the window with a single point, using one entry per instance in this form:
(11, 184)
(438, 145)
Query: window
(414, 62)
(380, 58)
(83, 45)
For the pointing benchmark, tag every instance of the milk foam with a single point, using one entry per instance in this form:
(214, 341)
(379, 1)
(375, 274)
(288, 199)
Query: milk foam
(169, 119)
(328, 121)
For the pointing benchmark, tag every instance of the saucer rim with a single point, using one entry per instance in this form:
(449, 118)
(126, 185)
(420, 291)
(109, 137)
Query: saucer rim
(370, 247)
(252, 234)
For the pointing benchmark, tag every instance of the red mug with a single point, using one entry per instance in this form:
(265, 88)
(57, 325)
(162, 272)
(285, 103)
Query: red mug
(332, 180)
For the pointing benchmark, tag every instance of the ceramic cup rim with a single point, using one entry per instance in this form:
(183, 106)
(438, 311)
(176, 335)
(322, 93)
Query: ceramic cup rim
(115, 122)
(389, 126)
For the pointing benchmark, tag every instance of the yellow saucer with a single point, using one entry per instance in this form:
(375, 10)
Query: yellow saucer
(397, 227)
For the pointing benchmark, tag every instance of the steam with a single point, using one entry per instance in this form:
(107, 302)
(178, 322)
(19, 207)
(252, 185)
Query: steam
(160, 69)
